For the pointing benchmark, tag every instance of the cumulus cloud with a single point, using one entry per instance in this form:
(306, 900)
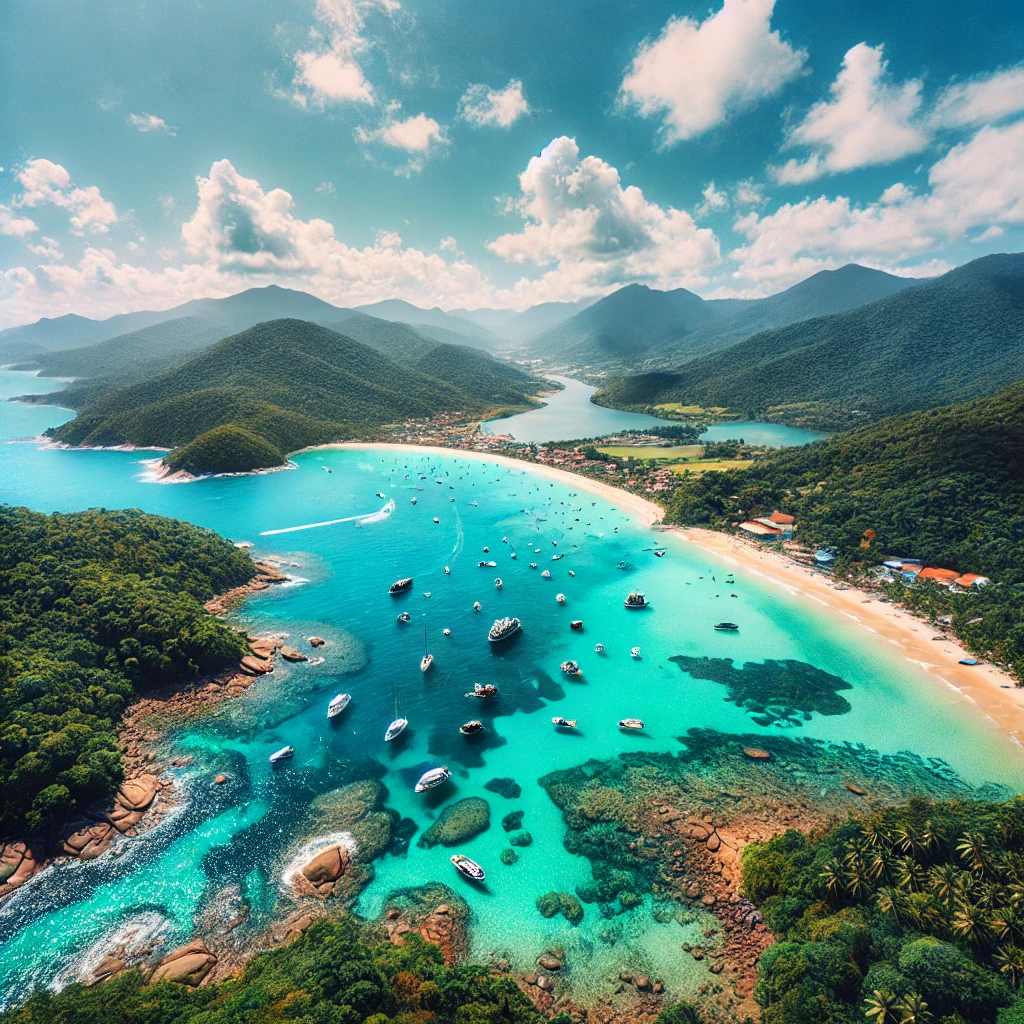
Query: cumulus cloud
(330, 72)
(869, 120)
(982, 101)
(593, 232)
(419, 136)
(979, 183)
(13, 224)
(495, 108)
(695, 75)
(47, 248)
(45, 182)
(150, 123)
(744, 193)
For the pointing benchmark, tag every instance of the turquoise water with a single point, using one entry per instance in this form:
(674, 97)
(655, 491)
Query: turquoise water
(569, 414)
(238, 840)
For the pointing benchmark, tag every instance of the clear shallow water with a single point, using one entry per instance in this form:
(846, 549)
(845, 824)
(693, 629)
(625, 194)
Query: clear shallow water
(569, 414)
(240, 838)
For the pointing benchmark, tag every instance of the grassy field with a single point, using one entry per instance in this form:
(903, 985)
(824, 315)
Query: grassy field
(682, 451)
(698, 466)
(676, 409)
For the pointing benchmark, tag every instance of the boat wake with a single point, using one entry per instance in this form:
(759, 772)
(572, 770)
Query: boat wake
(361, 520)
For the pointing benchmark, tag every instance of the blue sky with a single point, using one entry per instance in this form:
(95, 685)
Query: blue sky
(468, 154)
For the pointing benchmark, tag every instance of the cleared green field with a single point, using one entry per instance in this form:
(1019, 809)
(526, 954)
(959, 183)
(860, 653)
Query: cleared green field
(682, 451)
(698, 466)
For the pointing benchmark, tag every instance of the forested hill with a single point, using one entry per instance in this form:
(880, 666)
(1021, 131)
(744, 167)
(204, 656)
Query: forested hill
(954, 338)
(95, 607)
(292, 384)
(945, 485)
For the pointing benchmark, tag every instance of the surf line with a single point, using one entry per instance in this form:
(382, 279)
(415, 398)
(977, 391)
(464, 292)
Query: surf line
(366, 517)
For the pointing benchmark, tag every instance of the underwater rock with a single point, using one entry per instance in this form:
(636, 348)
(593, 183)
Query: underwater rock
(508, 788)
(291, 654)
(630, 900)
(187, 965)
(564, 903)
(458, 822)
(521, 839)
(513, 821)
(509, 857)
(549, 962)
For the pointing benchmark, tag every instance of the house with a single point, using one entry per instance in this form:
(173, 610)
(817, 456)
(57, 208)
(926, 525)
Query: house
(943, 576)
(971, 581)
(761, 529)
(785, 530)
(781, 518)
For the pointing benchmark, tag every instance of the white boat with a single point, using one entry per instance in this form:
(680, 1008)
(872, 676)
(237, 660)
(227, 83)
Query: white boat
(404, 617)
(635, 599)
(436, 520)
(433, 778)
(447, 632)
(560, 598)
(447, 571)
(476, 606)
(513, 556)
(563, 723)
(380, 494)
(497, 583)
(533, 565)
(471, 728)
(635, 653)
(483, 692)
(570, 668)
(571, 573)
(428, 659)
(396, 728)
(631, 723)
(414, 501)
(599, 648)
(546, 574)
(503, 629)
(468, 868)
(282, 755)
(338, 704)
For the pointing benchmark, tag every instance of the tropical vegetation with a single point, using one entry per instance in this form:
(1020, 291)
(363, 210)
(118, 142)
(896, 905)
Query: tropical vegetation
(95, 608)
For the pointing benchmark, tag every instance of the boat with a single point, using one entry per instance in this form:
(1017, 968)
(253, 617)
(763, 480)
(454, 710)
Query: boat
(570, 668)
(635, 599)
(726, 627)
(282, 755)
(659, 554)
(338, 704)
(471, 728)
(487, 550)
(476, 606)
(405, 617)
(503, 629)
(599, 648)
(433, 778)
(563, 723)
(474, 503)
(576, 624)
(571, 573)
(533, 565)
(497, 583)
(428, 659)
(513, 556)
(400, 586)
(557, 558)
(380, 494)
(631, 723)
(414, 501)
(447, 571)
(447, 632)
(468, 868)
(436, 520)
(969, 661)
(484, 692)
(560, 598)
(634, 652)
(325, 469)
(546, 574)
(396, 728)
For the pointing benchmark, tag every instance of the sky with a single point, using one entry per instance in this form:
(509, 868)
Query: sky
(497, 155)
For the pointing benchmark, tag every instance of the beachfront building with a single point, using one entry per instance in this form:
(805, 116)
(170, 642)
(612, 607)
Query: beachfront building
(971, 581)
(760, 530)
(944, 577)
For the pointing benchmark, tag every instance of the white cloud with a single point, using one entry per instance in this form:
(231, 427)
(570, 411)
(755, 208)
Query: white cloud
(744, 193)
(419, 136)
(45, 182)
(869, 120)
(981, 101)
(451, 246)
(593, 232)
(47, 248)
(167, 204)
(13, 224)
(695, 75)
(496, 108)
(326, 187)
(978, 183)
(150, 123)
(995, 231)
(715, 200)
(749, 193)
(331, 72)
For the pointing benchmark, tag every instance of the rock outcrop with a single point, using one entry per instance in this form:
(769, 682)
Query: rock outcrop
(458, 822)
(320, 875)
(17, 865)
(187, 965)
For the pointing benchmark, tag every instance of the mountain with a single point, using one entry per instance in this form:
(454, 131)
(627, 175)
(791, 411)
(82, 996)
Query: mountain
(479, 374)
(488, 319)
(407, 313)
(538, 319)
(949, 339)
(291, 384)
(395, 340)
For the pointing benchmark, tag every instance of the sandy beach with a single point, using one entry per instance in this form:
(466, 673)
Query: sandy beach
(991, 690)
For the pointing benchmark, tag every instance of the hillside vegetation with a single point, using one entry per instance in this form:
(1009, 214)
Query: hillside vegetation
(225, 449)
(95, 607)
(947, 340)
(945, 486)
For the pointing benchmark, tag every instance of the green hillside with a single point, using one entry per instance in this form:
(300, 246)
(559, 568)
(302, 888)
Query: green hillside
(397, 341)
(225, 449)
(950, 339)
(945, 485)
(479, 374)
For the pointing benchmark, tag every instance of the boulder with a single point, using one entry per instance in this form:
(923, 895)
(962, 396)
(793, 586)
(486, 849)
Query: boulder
(105, 970)
(317, 641)
(138, 793)
(641, 981)
(458, 822)
(187, 965)
(219, 780)
(326, 868)
(263, 647)
(291, 654)
(88, 843)
(549, 962)
(253, 666)
(855, 790)
(757, 754)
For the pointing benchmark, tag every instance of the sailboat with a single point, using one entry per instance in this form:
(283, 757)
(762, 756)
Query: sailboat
(338, 704)
(428, 659)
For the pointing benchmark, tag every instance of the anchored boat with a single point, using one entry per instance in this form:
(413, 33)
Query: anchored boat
(484, 692)
(433, 778)
(503, 629)
(405, 617)
(400, 586)
(631, 723)
(282, 755)
(563, 723)
(726, 627)
(635, 599)
(338, 704)
(570, 668)
(468, 868)
(428, 659)
(576, 624)
(634, 652)
(471, 728)
(396, 728)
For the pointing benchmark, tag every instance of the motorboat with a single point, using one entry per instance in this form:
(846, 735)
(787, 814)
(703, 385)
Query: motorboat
(474, 503)
(380, 494)
(487, 550)
(557, 558)
(513, 556)
(563, 723)
(282, 755)
(484, 692)
(533, 565)
(414, 501)
(659, 554)
(634, 652)
(338, 704)
(468, 868)
(576, 624)
(570, 668)
(476, 606)
(503, 629)
(447, 571)
(471, 728)
(400, 586)
(571, 573)
(560, 598)
(546, 574)
(497, 583)
(436, 520)
(396, 728)
(631, 723)
(325, 469)
(405, 617)
(447, 632)
(635, 599)
(432, 779)
(599, 648)
(726, 627)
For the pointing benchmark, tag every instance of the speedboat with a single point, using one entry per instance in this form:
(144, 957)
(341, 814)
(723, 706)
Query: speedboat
(556, 558)
(447, 632)
(533, 565)
(484, 692)
(282, 755)
(396, 728)
(474, 503)
(447, 571)
(635, 600)
(659, 554)
(400, 586)
(599, 648)
(634, 652)
(436, 520)
(560, 598)
(546, 574)
(563, 723)
(405, 617)
(503, 629)
(380, 494)
(571, 573)
(513, 556)
(468, 868)
(726, 627)
(414, 501)
(576, 624)
(570, 668)
(433, 778)
(471, 728)
(497, 583)
(631, 723)
(476, 606)
(338, 704)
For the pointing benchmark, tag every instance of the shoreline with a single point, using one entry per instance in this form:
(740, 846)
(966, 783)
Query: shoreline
(993, 692)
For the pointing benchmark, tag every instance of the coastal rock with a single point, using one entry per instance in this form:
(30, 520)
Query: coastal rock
(263, 647)
(324, 870)
(253, 666)
(549, 962)
(458, 823)
(219, 780)
(105, 970)
(564, 903)
(291, 654)
(187, 965)
(138, 793)
(317, 641)
(88, 843)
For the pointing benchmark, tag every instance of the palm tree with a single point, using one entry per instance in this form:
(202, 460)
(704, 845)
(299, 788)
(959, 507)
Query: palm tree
(971, 923)
(974, 850)
(890, 903)
(908, 873)
(1011, 962)
(913, 1010)
(832, 874)
(881, 1007)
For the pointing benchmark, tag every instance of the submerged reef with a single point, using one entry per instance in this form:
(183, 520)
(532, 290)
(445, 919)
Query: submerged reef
(504, 786)
(784, 693)
(458, 822)
(563, 903)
